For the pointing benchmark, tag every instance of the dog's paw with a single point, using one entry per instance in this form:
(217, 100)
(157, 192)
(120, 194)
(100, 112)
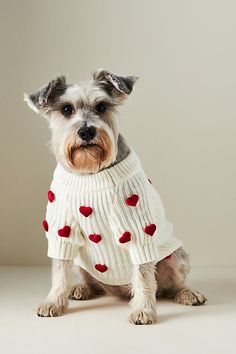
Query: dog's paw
(80, 292)
(141, 317)
(189, 297)
(49, 310)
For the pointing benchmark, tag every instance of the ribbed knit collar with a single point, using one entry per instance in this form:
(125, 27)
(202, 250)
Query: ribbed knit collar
(107, 178)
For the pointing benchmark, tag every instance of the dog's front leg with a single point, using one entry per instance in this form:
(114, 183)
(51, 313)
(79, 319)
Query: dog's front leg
(144, 287)
(57, 299)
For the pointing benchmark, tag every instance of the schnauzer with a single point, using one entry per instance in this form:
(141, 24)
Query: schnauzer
(104, 217)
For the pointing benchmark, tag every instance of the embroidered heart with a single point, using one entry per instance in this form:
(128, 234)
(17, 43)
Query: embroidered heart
(45, 225)
(126, 237)
(86, 211)
(95, 238)
(101, 267)
(51, 196)
(132, 200)
(65, 231)
(150, 229)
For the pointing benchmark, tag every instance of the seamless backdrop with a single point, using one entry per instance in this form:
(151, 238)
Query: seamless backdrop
(181, 118)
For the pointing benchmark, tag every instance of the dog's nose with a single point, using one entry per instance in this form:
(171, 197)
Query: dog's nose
(87, 133)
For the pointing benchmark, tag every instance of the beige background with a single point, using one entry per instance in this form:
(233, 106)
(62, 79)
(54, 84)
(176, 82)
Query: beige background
(180, 118)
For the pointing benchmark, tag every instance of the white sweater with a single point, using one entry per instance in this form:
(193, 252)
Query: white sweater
(107, 221)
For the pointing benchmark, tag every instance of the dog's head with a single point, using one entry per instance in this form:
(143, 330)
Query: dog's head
(82, 118)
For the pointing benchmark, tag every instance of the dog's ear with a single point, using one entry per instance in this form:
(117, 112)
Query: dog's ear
(42, 100)
(115, 85)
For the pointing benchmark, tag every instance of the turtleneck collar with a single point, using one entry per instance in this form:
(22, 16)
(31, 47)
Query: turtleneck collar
(106, 178)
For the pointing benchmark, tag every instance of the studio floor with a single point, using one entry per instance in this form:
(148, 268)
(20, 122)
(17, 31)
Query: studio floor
(101, 325)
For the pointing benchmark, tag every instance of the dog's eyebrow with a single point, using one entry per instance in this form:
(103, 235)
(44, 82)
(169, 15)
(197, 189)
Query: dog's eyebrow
(106, 100)
(89, 104)
(80, 104)
(58, 105)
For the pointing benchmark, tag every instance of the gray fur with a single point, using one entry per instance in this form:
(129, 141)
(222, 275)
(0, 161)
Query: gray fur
(47, 95)
(123, 150)
(110, 82)
(167, 278)
(107, 88)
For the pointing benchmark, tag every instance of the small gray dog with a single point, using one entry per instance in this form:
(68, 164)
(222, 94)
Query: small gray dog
(103, 215)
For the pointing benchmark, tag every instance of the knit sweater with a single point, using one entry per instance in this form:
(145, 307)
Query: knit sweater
(108, 221)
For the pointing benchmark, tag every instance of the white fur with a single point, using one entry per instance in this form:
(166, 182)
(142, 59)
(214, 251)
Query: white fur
(30, 103)
(144, 288)
(57, 299)
(145, 278)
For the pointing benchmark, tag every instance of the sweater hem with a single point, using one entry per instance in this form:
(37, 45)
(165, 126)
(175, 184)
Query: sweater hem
(142, 254)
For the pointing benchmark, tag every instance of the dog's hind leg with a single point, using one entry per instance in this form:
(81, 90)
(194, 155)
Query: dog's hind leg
(87, 286)
(57, 299)
(171, 277)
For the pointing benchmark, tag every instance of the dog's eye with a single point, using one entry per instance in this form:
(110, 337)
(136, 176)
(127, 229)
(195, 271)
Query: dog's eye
(101, 107)
(67, 110)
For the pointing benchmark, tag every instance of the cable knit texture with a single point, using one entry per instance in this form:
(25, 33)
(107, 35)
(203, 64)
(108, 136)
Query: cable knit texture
(108, 221)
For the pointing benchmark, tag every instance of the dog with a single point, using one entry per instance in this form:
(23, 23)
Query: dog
(105, 220)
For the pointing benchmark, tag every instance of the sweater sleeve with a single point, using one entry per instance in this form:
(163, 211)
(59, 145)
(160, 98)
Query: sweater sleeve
(139, 222)
(62, 231)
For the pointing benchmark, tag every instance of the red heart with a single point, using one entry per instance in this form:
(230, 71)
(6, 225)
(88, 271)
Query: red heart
(126, 237)
(132, 200)
(51, 196)
(95, 238)
(86, 211)
(101, 267)
(45, 225)
(150, 229)
(65, 231)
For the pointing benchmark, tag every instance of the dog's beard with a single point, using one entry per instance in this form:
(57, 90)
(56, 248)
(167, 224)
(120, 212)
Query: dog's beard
(91, 157)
